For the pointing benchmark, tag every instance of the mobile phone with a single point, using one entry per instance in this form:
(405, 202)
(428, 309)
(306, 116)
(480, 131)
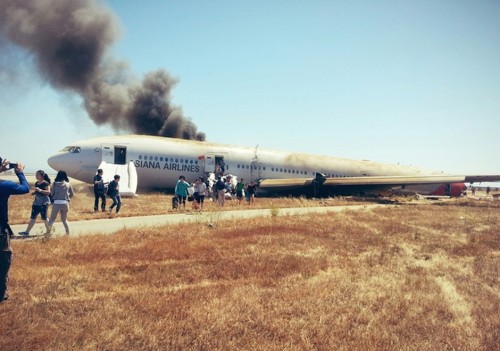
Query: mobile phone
(12, 165)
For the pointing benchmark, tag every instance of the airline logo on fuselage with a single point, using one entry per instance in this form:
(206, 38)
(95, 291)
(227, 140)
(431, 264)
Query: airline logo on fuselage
(171, 166)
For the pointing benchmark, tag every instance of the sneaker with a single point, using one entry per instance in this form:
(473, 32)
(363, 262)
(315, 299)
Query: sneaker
(24, 233)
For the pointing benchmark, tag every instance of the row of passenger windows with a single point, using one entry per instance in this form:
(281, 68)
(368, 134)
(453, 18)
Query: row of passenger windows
(281, 170)
(291, 171)
(263, 168)
(167, 159)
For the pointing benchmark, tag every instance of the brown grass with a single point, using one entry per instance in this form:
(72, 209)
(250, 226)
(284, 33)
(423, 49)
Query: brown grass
(420, 277)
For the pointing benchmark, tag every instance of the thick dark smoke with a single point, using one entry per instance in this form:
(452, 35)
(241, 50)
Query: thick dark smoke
(70, 41)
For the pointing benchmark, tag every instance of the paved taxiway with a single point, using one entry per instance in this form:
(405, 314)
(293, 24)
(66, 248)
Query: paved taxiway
(112, 225)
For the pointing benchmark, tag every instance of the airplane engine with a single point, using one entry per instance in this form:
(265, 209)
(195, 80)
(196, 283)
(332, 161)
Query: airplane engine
(453, 190)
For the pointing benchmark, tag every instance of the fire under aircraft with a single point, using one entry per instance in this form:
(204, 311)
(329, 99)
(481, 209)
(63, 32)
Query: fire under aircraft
(149, 162)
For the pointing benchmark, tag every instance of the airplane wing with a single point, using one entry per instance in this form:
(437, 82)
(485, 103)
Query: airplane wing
(372, 182)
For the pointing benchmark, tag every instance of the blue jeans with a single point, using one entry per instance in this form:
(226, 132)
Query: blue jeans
(117, 201)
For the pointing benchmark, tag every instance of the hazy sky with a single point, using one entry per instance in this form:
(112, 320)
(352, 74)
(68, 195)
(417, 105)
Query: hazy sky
(410, 82)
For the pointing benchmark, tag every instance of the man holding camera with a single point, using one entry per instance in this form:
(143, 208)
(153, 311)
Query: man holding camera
(7, 188)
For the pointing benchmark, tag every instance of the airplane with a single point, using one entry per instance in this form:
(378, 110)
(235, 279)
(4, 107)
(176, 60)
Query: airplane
(152, 162)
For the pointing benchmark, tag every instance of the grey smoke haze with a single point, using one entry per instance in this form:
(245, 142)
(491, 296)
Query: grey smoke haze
(69, 41)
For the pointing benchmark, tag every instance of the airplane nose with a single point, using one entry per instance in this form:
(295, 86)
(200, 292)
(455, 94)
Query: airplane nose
(55, 161)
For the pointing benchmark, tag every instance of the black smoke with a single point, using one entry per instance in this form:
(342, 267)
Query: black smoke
(70, 41)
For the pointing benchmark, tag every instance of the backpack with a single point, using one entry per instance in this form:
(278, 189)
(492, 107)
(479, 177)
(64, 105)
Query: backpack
(111, 189)
(102, 188)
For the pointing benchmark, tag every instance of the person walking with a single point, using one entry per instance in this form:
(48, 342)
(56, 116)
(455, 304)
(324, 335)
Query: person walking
(200, 191)
(61, 192)
(220, 188)
(240, 186)
(114, 194)
(251, 189)
(7, 188)
(99, 191)
(41, 201)
(181, 191)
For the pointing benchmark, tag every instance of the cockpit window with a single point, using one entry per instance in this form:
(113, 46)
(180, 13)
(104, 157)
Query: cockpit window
(72, 149)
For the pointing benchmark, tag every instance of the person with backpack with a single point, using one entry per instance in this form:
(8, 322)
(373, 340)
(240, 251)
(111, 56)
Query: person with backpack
(100, 189)
(220, 187)
(114, 194)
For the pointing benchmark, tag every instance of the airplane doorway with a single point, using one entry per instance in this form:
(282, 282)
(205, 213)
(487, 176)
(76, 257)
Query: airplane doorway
(220, 165)
(120, 155)
(214, 164)
(114, 154)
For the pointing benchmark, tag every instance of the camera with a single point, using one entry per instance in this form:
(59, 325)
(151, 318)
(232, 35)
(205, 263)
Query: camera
(9, 166)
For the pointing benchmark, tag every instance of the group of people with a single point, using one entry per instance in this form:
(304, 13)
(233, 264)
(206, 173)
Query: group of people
(240, 189)
(45, 193)
(59, 193)
(198, 190)
(103, 188)
(194, 192)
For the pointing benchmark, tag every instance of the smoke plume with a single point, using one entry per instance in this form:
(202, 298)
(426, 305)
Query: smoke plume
(69, 41)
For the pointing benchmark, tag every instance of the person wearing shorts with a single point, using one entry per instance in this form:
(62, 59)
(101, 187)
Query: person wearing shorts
(239, 190)
(200, 188)
(181, 191)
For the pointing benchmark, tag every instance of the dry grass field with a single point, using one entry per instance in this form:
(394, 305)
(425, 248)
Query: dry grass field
(412, 277)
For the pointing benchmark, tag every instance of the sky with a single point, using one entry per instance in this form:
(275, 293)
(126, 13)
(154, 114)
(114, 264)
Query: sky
(409, 82)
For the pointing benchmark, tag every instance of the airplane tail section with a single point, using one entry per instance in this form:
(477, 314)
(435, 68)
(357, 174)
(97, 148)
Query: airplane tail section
(127, 173)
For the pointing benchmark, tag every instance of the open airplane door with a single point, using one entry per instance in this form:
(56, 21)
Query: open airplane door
(209, 163)
(127, 173)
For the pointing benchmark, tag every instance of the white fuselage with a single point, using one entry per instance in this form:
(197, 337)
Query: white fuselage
(160, 161)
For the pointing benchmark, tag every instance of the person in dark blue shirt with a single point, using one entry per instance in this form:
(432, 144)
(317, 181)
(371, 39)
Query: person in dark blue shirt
(114, 194)
(100, 189)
